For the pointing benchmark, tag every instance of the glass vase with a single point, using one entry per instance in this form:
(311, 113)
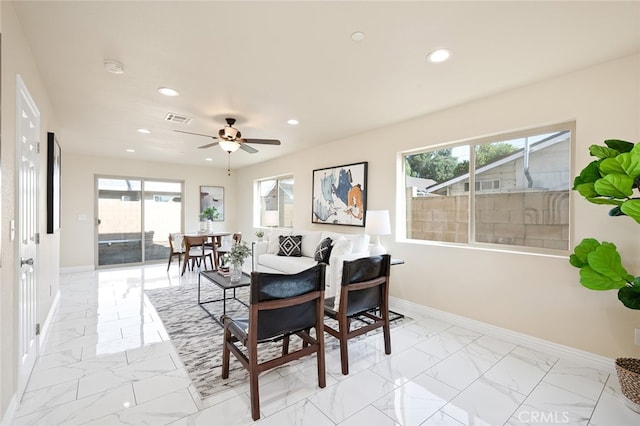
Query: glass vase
(236, 272)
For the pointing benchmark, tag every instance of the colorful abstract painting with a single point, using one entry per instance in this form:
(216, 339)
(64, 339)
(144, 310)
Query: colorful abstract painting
(340, 195)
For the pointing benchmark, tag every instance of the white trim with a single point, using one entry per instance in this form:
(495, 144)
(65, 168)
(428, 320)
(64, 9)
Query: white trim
(11, 411)
(47, 322)
(417, 311)
(71, 269)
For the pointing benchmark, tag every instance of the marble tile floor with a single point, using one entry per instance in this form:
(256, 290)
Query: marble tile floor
(107, 360)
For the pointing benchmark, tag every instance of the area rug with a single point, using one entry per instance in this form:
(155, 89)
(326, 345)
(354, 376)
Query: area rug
(198, 338)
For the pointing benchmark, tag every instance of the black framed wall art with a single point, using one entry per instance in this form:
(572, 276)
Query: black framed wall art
(340, 195)
(54, 166)
(212, 196)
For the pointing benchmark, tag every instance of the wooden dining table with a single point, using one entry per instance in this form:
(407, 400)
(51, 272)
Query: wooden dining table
(216, 241)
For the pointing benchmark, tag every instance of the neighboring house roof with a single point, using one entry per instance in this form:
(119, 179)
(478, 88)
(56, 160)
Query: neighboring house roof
(421, 183)
(544, 143)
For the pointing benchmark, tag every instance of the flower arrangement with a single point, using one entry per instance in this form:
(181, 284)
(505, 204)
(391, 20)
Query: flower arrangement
(238, 253)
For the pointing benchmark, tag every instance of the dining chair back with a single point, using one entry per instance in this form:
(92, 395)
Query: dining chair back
(176, 248)
(226, 245)
(364, 296)
(280, 306)
(196, 251)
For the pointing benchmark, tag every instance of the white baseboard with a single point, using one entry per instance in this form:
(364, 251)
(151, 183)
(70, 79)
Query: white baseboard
(47, 322)
(76, 269)
(11, 411)
(417, 311)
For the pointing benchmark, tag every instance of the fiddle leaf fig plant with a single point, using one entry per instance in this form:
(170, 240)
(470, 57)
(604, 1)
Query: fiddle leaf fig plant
(613, 179)
(601, 269)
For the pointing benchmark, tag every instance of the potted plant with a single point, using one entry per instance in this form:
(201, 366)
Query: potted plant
(236, 256)
(259, 234)
(209, 214)
(612, 179)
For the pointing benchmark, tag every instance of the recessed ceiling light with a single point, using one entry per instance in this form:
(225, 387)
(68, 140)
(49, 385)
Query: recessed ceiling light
(208, 159)
(439, 55)
(145, 131)
(293, 121)
(130, 150)
(358, 36)
(168, 91)
(114, 67)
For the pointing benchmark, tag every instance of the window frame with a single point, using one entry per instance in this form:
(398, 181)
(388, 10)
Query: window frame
(404, 192)
(258, 216)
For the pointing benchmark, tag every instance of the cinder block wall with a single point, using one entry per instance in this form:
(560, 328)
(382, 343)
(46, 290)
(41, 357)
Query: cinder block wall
(530, 218)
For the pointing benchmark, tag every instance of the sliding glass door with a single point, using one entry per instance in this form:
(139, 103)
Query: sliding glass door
(162, 215)
(130, 231)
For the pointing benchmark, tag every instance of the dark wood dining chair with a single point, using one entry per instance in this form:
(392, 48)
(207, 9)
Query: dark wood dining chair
(226, 248)
(280, 305)
(176, 248)
(364, 296)
(196, 251)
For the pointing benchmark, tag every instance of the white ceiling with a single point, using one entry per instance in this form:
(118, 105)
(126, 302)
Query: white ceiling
(265, 62)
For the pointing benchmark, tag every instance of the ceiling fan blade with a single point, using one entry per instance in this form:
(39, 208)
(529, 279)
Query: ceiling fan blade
(247, 148)
(262, 141)
(197, 134)
(208, 145)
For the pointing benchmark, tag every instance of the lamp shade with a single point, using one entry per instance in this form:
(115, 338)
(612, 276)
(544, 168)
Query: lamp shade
(271, 218)
(378, 222)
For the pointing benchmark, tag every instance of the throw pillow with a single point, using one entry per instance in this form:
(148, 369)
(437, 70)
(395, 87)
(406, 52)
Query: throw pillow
(290, 245)
(342, 246)
(323, 251)
(273, 245)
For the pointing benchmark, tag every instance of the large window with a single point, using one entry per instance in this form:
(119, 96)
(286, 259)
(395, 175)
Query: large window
(276, 201)
(510, 190)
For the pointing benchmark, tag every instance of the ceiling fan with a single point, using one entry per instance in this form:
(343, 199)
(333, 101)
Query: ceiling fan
(230, 139)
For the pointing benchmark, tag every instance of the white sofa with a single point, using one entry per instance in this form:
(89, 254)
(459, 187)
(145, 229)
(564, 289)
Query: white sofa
(344, 247)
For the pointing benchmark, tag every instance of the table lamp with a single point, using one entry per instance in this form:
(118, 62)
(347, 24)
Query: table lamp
(377, 224)
(271, 219)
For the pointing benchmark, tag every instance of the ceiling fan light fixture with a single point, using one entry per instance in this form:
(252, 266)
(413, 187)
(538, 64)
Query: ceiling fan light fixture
(229, 133)
(229, 146)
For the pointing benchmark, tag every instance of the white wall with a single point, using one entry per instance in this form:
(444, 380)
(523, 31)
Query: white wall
(77, 245)
(537, 295)
(17, 59)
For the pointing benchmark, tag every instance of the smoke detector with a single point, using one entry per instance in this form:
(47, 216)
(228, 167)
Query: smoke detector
(114, 67)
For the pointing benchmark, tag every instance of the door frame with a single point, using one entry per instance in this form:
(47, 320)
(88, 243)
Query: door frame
(96, 210)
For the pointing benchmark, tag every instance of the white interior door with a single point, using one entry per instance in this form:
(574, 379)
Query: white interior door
(27, 135)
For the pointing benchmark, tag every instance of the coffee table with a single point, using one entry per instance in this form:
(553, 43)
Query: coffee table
(225, 284)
